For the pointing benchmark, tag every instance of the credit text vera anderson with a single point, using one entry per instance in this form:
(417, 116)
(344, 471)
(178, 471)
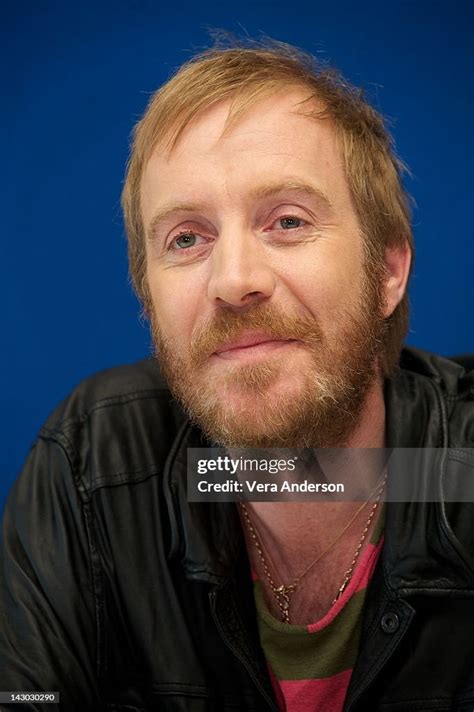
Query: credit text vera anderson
(253, 486)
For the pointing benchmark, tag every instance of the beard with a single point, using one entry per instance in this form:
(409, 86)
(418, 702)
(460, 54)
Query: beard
(242, 406)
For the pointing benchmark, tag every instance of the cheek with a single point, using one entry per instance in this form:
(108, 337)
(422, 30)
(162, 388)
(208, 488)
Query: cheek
(328, 289)
(175, 305)
(327, 284)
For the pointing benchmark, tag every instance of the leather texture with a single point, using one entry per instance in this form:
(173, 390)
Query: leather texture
(122, 595)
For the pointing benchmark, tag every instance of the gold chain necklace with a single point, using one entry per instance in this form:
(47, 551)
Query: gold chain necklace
(283, 592)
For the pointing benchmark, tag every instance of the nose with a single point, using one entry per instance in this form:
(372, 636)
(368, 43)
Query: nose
(241, 274)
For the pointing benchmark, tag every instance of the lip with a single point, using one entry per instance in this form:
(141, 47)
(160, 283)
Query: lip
(249, 342)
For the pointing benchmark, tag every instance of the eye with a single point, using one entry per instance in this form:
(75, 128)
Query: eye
(295, 226)
(184, 241)
(289, 222)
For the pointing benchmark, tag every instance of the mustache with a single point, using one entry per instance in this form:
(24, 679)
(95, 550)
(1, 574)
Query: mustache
(228, 326)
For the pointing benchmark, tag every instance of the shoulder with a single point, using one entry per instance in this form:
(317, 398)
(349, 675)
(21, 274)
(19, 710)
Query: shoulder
(453, 380)
(117, 425)
(109, 388)
(455, 374)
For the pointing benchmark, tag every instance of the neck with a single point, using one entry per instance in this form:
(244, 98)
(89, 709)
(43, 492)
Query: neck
(288, 528)
(369, 432)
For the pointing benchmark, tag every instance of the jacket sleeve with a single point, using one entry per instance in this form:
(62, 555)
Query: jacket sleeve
(48, 639)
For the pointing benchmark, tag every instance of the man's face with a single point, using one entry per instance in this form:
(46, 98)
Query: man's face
(265, 319)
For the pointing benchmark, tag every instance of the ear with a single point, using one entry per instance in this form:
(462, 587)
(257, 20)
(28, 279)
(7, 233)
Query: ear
(397, 264)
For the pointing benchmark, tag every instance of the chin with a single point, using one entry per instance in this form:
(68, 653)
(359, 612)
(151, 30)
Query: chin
(238, 416)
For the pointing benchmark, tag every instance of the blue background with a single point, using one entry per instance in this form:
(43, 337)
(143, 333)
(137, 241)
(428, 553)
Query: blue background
(78, 75)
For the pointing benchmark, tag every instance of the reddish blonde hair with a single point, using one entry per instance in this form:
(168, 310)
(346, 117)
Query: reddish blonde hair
(246, 74)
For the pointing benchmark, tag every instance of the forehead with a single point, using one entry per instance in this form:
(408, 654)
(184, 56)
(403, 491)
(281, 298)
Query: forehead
(272, 140)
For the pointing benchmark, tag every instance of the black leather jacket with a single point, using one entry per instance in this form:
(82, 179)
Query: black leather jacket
(121, 595)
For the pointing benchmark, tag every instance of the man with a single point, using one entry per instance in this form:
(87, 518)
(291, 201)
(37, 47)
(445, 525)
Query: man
(270, 244)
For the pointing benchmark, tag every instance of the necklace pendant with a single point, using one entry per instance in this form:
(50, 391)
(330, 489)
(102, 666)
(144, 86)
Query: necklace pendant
(283, 600)
(284, 606)
(285, 590)
(283, 597)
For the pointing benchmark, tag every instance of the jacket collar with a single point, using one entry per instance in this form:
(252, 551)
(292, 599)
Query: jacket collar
(418, 556)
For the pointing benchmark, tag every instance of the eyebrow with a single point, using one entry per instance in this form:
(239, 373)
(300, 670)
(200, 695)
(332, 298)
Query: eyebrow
(258, 193)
